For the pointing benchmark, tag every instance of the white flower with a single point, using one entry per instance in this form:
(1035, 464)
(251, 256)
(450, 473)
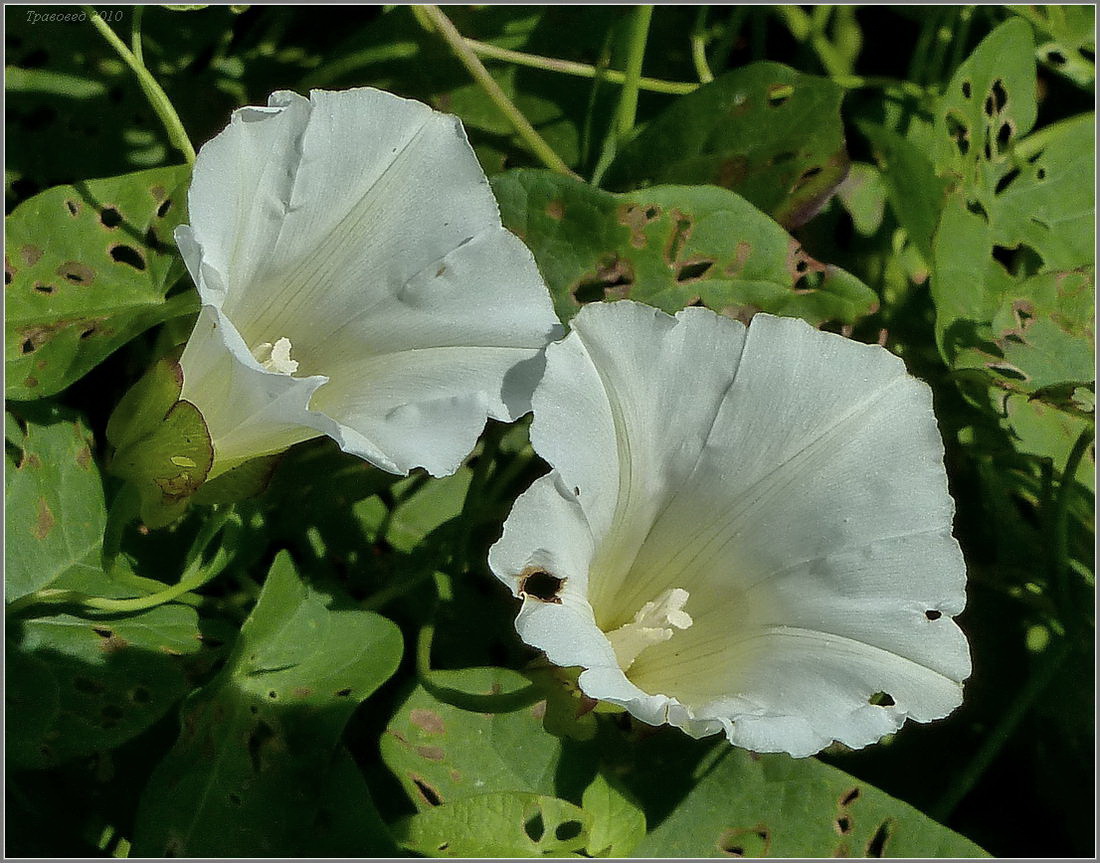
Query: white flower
(746, 530)
(356, 282)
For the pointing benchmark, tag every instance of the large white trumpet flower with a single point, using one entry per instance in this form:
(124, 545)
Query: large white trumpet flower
(356, 282)
(745, 530)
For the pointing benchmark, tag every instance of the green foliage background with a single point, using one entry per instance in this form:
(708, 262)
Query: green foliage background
(328, 668)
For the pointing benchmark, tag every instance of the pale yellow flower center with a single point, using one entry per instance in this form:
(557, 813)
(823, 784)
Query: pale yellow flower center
(655, 622)
(276, 357)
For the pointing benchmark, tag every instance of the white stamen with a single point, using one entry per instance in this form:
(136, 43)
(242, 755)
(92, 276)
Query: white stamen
(276, 357)
(654, 623)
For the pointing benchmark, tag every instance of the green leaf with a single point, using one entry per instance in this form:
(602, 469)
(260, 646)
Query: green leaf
(748, 805)
(618, 825)
(87, 268)
(989, 101)
(769, 133)
(247, 776)
(161, 443)
(915, 193)
(54, 514)
(1012, 258)
(80, 685)
(441, 753)
(863, 194)
(419, 508)
(1067, 36)
(670, 246)
(497, 825)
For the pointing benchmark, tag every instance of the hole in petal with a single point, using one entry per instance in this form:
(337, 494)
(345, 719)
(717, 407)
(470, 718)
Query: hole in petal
(541, 585)
(933, 614)
(881, 699)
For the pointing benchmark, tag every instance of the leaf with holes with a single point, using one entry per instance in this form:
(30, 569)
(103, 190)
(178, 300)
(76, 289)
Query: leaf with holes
(989, 102)
(248, 773)
(109, 677)
(497, 825)
(87, 268)
(739, 804)
(1067, 37)
(441, 753)
(670, 247)
(54, 514)
(769, 133)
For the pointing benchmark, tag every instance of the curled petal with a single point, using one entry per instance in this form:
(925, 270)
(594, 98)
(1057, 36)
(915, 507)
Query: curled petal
(790, 482)
(355, 232)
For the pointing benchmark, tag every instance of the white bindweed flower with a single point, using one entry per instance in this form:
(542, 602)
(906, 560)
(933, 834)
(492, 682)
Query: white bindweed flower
(356, 282)
(746, 530)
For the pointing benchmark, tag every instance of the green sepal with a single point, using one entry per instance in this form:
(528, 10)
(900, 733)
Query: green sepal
(161, 443)
(241, 481)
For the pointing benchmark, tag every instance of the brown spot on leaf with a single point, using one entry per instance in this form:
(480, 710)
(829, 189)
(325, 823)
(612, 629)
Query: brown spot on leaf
(677, 239)
(76, 272)
(30, 382)
(555, 209)
(538, 709)
(427, 720)
(72, 206)
(43, 521)
(740, 257)
(636, 217)
(746, 842)
(158, 192)
(84, 457)
(732, 171)
(30, 255)
(456, 776)
(613, 279)
(9, 270)
(799, 265)
(301, 692)
(44, 288)
(432, 753)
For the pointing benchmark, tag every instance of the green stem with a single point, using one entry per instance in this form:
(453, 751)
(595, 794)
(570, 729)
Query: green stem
(579, 70)
(135, 33)
(995, 740)
(153, 92)
(699, 46)
(626, 113)
(537, 144)
(1059, 539)
(628, 98)
(858, 82)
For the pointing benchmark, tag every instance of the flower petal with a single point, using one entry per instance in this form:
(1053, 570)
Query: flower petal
(792, 482)
(358, 228)
(248, 411)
